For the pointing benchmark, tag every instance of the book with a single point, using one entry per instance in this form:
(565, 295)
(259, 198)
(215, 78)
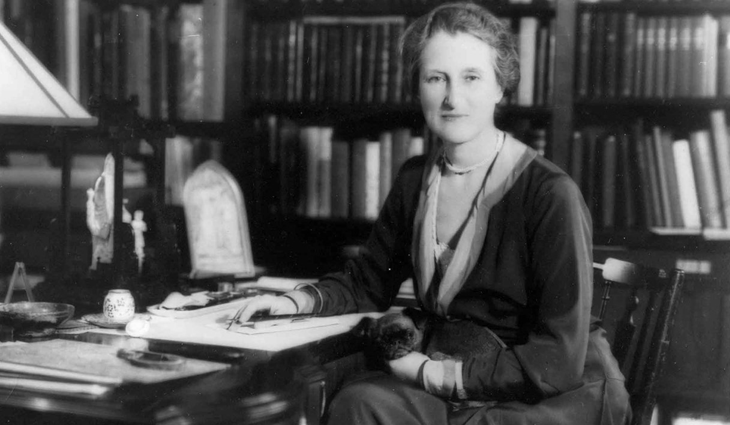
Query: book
(611, 75)
(299, 83)
(386, 164)
(541, 64)
(348, 61)
(527, 51)
(628, 54)
(598, 54)
(365, 178)
(686, 184)
(661, 57)
(309, 142)
(291, 64)
(684, 59)
(370, 66)
(358, 48)
(591, 182)
(628, 192)
(609, 152)
(383, 71)
(290, 173)
(721, 149)
(706, 177)
(395, 79)
(584, 57)
(333, 68)
(324, 172)
(340, 193)
(672, 57)
(650, 57)
(639, 50)
(668, 174)
(323, 41)
(660, 195)
(724, 57)
(550, 81)
(311, 52)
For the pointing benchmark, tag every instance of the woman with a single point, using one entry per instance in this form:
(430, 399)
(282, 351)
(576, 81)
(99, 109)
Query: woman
(497, 239)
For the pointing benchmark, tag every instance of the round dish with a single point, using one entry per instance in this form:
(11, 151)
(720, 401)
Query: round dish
(100, 320)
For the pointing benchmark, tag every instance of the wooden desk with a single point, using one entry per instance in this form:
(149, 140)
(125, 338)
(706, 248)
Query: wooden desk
(261, 387)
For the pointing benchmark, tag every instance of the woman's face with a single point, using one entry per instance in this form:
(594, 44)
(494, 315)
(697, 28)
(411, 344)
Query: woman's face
(458, 87)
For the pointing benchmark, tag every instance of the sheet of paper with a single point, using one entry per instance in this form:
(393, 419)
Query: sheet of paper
(198, 330)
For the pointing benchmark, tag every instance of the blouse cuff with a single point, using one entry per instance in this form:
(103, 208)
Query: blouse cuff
(439, 378)
(314, 293)
(303, 300)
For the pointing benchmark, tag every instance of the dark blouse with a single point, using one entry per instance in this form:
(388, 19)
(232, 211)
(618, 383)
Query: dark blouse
(532, 284)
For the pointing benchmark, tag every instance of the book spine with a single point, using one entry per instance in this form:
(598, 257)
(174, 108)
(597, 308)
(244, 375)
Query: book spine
(584, 46)
(627, 190)
(340, 178)
(628, 54)
(706, 178)
(324, 172)
(640, 57)
(672, 64)
(598, 52)
(527, 53)
(348, 60)
(608, 181)
(541, 64)
(721, 144)
(684, 70)
(687, 186)
(650, 55)
(611, 76)
(724, 57)
(383, 72)
(386, 164)
(309, 139)
(661, 57)
(365, 176)
(395, 79)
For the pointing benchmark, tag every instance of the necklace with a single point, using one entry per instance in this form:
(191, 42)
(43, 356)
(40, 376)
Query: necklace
(466, 170)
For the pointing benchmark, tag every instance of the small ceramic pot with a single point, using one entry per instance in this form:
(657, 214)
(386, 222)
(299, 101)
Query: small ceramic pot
(119, 305)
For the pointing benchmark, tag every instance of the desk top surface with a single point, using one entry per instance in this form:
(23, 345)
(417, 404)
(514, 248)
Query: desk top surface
(265, 365)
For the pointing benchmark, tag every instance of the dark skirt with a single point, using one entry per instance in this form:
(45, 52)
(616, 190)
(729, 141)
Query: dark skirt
(378, 398)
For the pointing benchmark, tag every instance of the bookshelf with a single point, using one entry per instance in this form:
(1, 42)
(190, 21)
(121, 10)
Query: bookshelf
(657, 129)
(331, 68)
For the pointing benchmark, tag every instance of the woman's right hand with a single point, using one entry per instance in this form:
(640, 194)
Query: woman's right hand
(270, 304)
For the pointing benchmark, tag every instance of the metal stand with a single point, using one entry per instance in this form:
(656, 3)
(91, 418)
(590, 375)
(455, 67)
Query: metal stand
(19, 272)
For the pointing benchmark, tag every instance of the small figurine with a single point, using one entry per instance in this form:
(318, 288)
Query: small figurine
(99, 222)
(139, 227)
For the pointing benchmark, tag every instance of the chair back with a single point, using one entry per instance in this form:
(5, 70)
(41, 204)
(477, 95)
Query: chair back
(636, 306)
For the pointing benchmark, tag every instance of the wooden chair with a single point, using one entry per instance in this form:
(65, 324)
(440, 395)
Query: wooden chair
(636, 306)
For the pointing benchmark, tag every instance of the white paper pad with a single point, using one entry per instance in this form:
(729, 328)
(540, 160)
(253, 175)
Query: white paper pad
(208, 329)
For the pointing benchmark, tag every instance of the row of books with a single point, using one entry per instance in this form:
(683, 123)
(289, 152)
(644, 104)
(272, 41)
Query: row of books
(355, 60)
(625, 55)
(319, 174)
(651, 177)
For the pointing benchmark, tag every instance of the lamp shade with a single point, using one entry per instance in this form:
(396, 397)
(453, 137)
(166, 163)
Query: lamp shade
(29, 93)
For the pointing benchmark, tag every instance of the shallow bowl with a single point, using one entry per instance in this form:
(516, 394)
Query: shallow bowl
(35, 318)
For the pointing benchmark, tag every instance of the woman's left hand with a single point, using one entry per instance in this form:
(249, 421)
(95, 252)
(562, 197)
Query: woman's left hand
(406, 368)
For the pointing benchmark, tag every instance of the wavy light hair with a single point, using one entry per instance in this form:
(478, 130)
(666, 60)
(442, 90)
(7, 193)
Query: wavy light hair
(469, 18)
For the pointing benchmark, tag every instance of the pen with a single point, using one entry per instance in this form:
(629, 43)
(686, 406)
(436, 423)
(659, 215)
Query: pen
(271, 320)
